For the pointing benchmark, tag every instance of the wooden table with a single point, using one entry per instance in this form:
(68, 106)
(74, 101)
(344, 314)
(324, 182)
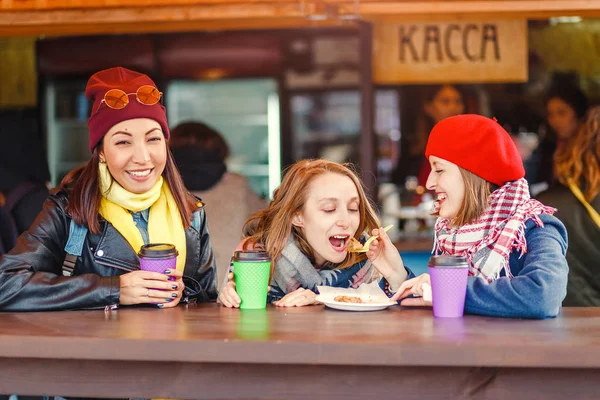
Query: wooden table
(210, 352)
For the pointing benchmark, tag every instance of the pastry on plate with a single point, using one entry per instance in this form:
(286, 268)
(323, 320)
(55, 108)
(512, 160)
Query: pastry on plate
(348, 299)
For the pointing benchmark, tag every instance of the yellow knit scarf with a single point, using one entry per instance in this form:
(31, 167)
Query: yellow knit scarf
(164, 221)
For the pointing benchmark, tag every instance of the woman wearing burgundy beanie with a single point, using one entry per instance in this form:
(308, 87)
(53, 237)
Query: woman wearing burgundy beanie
(514, 246)
(81, 251)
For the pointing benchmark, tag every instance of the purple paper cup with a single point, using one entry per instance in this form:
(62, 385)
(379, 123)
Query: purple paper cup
(158, 257)
(448, 285)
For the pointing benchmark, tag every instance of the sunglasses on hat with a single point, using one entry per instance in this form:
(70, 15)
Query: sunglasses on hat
(118, 99)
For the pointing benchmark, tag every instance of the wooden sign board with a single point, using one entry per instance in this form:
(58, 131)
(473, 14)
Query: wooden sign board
(459, 51)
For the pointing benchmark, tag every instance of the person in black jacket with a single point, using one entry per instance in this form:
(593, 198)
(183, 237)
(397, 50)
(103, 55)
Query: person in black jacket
(129, 194)
(578, 162)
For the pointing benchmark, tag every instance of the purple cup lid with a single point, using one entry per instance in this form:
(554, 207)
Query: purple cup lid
(158, 250)
(251, 256)
(446, 261)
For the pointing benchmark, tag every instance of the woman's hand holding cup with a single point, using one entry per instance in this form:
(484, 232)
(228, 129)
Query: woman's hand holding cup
(229, 296)
(145, 287)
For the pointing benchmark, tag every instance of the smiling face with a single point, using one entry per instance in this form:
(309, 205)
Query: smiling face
(330, 216)
(447, 182)
(135, 152)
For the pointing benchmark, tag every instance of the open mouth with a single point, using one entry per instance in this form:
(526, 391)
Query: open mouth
(140, 174)
(441, 197)
(338, 242)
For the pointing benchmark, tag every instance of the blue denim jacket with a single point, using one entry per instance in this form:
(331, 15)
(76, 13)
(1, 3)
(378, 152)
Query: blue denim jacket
(539, 282)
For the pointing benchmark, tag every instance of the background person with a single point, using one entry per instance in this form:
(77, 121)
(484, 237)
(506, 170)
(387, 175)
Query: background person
(577, 165)
(200, 153)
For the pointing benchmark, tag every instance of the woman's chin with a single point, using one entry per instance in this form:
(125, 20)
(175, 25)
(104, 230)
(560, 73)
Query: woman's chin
(337, 257)
(138, 187)
(445, 212)
(329, 255)
(447, 215)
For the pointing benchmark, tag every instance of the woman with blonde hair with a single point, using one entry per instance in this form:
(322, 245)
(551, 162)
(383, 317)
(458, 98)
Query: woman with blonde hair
(319, 207)
(515, 248)
(577, 168)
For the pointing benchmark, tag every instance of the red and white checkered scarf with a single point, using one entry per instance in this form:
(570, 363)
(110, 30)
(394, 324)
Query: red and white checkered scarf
(488, 242)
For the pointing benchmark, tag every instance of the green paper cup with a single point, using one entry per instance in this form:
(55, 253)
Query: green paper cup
(252, 270)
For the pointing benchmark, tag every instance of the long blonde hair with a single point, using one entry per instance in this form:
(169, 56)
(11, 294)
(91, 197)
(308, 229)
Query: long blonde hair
(579, 159)
(476, 199)
(273, 226)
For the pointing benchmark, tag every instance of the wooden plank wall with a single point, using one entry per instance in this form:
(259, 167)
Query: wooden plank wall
(80, 17)
(76, 17)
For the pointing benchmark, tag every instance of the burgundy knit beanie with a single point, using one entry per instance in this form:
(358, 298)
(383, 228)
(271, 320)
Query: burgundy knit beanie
(479, 145)
(103, 117)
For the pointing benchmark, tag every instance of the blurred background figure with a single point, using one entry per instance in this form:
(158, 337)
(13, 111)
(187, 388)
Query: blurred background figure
(527, 144)
(566, 105)
(23, 190)
(200, 153)
(440, 101)
(24, 201)
(577, 164)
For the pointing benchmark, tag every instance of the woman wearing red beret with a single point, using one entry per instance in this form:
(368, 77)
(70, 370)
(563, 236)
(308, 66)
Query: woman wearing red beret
(81, 251)
(514, 246)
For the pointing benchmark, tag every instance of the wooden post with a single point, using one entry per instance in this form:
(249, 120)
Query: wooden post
(367, 158)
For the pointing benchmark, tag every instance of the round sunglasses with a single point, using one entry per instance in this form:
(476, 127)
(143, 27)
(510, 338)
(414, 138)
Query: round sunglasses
(118, 99)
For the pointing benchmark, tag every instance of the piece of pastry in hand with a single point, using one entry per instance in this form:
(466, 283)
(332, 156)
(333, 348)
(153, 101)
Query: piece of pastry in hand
(354, 245)
(348, 299)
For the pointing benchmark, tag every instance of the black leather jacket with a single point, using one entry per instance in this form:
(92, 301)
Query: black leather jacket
(31, 273)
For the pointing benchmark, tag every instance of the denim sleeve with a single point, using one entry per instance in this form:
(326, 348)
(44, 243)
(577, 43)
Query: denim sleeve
(537, 289)
(275, 294)
(385, 285)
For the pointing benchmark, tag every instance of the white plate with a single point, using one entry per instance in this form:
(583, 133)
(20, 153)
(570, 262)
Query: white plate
(357, 306)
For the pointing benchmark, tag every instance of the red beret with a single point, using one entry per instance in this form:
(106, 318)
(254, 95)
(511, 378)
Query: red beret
(479, 145)
(103, 117)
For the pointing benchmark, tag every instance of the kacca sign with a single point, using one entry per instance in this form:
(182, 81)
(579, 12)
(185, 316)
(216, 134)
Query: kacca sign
(469, 51)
